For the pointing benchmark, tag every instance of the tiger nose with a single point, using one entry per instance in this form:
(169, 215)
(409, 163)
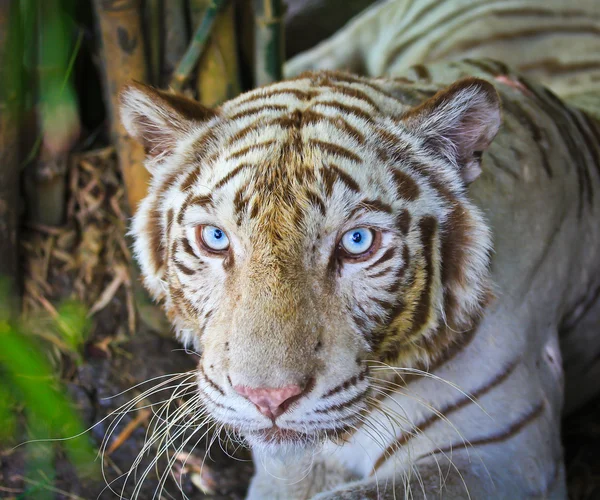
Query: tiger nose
(271, 402)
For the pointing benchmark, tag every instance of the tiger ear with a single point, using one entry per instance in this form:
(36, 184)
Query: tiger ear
(459, 122)
(158, 119)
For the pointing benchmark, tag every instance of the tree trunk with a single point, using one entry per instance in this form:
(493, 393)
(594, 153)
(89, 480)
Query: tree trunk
(124, 60)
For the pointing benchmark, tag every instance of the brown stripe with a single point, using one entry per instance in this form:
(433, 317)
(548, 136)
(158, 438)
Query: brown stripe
(432, 179)
(203, 145)
(387, 255)
(190, 179)
(346, 109)
(422, 72)
(523, 116)
(539, 31)
(552, 66)
(252, 147)
(492, 68)
(154, 227)
(341, 406)
(310, 117)
(559, 114)
(374, 206)
(169, 222)
(427, 226)
(200, 200)
(240, 204)
(314, 199)
(179, 298)
(504, 435)
(285, 122)
(348, 78)
(303, 95)
(456, 241)
(183, 268)
(444, 412)
(406, 187)
(352, 92)
(231, 175)
(258, 109)
(242, 133)
(383, 272)
(335, 149)
(332, 173)
(347, 384)
(187, 248)
(403, 220)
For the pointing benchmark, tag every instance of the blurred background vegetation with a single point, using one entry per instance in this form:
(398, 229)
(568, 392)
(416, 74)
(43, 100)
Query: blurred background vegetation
(75, 326)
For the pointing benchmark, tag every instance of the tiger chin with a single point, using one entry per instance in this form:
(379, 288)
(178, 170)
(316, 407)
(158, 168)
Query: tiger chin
(322, 243)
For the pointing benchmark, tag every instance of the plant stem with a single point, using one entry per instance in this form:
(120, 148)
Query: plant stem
(194, 50)
(269, 41)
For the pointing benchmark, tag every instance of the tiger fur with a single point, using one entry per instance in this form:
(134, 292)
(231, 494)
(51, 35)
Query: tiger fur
(431, 368)
(554, 42)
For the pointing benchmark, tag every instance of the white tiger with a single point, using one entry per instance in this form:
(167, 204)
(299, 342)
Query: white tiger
(373, 328)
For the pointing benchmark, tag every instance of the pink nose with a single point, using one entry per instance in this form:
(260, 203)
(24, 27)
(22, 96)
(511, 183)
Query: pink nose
(270, 402)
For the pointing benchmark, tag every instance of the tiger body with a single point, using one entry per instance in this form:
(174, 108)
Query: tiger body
(430, 367)
(553, 42)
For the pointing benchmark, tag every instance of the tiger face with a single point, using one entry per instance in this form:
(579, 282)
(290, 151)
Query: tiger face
(310, 229)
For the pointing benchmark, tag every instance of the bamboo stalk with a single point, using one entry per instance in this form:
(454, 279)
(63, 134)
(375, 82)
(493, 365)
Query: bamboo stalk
(57, 111)
(197, 10)
(152, 29)
(11, 52)
(269, 41)
(218, 70)
(190, 58)
(124, 60)
(175, 36)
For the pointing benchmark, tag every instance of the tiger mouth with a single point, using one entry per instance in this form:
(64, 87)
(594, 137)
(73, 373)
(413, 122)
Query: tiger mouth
(276, 435)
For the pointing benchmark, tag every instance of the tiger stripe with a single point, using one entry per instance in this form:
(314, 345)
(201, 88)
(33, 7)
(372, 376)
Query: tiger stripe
(443, 413)
(504, 435)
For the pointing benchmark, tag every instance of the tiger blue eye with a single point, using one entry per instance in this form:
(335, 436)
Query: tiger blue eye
(215, 238)
(358, 240)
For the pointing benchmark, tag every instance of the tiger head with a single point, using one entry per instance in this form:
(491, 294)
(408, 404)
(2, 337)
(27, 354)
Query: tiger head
(308, 230)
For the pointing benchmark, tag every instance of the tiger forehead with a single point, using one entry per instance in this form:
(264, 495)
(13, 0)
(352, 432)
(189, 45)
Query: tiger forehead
(281, 151)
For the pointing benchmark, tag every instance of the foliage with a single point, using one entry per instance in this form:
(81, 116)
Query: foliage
(33, 402)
